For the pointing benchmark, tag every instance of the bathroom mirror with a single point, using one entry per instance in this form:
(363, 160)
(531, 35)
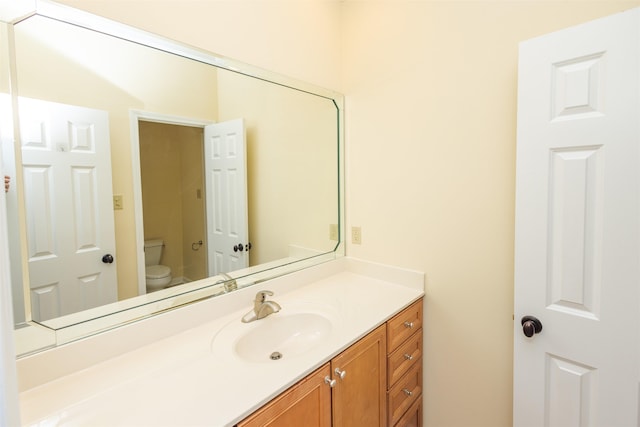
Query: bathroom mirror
(123, 137)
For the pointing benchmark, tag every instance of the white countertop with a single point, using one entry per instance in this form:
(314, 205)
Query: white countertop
(182, 380)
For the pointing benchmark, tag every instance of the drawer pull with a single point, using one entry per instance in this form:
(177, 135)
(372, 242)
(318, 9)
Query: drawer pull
(408, 356)
(407, 392)
(340, 373)
(328, 380)
(408, 324)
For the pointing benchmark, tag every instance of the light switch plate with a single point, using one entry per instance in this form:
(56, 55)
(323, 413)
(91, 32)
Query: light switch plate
(356, 235)
(117, 202)
(333, 232)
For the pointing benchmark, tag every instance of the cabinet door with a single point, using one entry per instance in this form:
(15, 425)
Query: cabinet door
(308, 403)
(359, 397)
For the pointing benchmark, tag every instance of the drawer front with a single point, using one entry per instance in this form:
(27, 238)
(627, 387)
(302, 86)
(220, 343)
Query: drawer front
(404, 357)
(405, 393)
(403, 325)
(413, 417)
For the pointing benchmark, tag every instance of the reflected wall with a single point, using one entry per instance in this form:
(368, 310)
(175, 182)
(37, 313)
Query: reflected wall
(292, 139)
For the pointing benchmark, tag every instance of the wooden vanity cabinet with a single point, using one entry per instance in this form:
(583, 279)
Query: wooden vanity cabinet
(358, 399)
(375, 382)
(307, 403)
(404, 367)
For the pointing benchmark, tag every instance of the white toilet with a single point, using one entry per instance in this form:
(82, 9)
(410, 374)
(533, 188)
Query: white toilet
(157, 276)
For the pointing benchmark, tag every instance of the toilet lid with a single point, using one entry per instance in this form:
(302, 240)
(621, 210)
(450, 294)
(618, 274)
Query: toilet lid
(157, 271)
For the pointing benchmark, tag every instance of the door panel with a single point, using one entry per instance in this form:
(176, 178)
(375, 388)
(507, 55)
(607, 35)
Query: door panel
(307, 403)
(226, 196)
(359, 399)
(575, 230)
(66, 160)
(577, 262)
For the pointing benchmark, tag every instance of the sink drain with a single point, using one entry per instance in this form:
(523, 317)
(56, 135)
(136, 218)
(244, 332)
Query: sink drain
(275, 355)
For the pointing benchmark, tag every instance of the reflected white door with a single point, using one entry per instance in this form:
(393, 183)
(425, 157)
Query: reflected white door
(226, 196)
(577, 263)
(66, 161)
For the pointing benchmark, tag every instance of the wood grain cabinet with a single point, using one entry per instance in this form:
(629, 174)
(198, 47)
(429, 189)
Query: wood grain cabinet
(308, 403)
(404, 367)
(358, 399)
(375, 382)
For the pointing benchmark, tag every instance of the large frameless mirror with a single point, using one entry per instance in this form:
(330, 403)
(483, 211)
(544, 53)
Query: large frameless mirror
(146, 174)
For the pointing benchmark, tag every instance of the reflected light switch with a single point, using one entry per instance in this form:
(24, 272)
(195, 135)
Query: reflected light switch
(333, 232)
(117, 202)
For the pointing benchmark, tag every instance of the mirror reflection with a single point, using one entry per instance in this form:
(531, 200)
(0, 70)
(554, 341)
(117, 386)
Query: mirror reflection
(138, 170)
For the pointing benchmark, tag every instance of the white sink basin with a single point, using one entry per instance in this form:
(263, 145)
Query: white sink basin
(287, 335)
(278, 336)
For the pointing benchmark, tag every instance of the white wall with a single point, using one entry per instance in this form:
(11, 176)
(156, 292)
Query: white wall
(431, 96)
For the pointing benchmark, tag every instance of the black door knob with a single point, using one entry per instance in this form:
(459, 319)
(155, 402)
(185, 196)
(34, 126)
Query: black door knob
(239, 247)
(107, 259)
(530, 326)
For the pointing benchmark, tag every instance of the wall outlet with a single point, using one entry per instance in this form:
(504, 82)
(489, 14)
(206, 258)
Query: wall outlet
(356, 235)
(333, 232)
(117, 202)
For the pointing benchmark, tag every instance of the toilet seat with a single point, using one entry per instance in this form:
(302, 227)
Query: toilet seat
(157, 271)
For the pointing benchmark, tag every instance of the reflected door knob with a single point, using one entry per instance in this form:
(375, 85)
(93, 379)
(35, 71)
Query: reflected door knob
(530, 326)
(107, 259)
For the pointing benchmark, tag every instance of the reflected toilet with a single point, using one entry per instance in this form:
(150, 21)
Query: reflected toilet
(157, 276)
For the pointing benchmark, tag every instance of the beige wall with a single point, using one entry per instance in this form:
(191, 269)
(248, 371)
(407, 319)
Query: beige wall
(431, 119)
(194, 262)
(300, 39)
(431, 96)
(291, 166)
(171, 171)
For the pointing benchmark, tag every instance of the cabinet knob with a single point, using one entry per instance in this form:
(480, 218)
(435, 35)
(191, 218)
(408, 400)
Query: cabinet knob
(328, 380)
(340, 373)
(408, 325)
(408, 356)
(407, 392)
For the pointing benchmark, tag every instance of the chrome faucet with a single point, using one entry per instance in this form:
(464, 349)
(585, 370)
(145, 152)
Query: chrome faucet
(261, 307)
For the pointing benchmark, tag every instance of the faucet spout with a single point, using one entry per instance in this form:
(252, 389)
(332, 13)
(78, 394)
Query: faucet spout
(261, 307)
(269, 307)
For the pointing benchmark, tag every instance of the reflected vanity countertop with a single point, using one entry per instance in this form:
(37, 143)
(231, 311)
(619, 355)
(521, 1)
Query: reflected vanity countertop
(186, 379)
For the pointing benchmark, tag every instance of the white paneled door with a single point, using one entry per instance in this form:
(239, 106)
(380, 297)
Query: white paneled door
(226, 197)
(577, 263)
(68, 198)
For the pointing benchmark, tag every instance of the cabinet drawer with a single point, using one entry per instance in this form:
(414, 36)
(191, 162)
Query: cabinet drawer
(413, 417)
(404, 357)
(403, 325)
(405, 393)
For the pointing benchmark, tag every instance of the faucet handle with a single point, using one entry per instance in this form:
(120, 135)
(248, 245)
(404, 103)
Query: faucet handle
(262, 295)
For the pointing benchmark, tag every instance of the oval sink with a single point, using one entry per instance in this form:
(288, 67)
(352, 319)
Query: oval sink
(281, 335)
(289, 335)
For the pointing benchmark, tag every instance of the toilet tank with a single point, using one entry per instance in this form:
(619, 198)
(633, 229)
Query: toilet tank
(153, 251)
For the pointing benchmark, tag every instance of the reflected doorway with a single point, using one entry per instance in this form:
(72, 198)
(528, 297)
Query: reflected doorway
(195, 192)
(173, 196)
